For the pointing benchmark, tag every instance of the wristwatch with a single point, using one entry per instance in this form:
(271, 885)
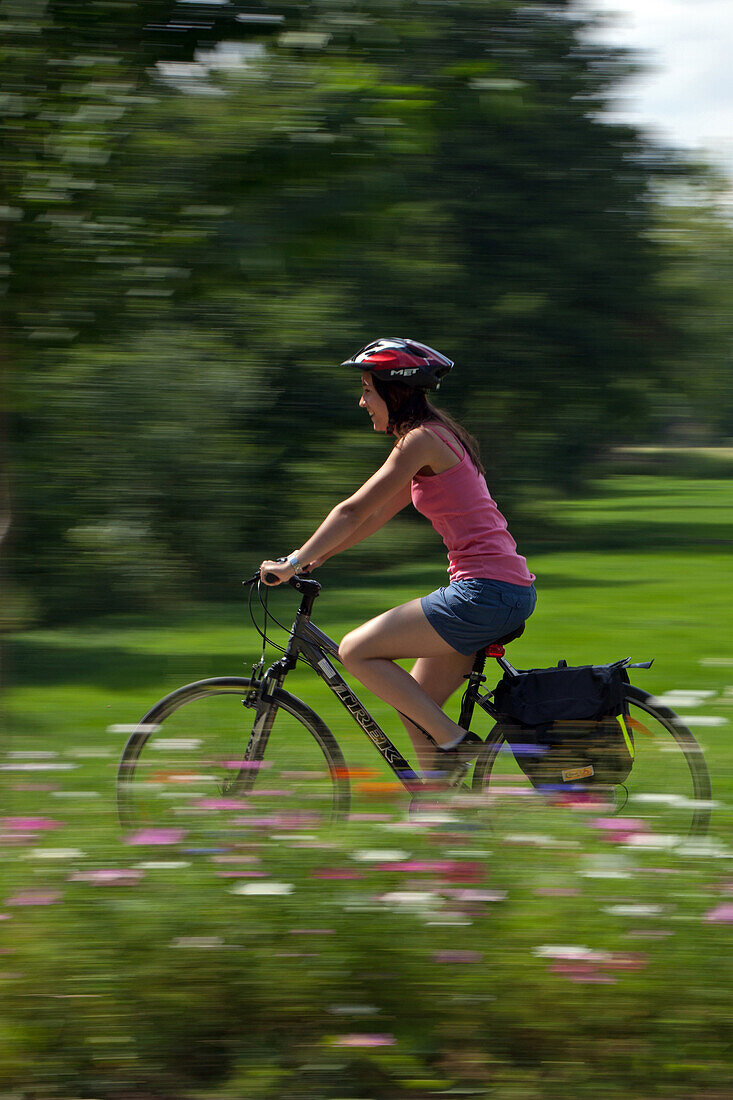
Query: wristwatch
(293, 561)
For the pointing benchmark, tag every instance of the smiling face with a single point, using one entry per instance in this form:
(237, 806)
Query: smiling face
(375, 405)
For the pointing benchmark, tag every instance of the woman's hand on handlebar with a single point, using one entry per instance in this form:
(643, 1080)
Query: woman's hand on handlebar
(282, 570)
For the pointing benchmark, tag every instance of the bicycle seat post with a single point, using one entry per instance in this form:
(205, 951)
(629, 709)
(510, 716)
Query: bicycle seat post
(496, 649)
(475, 678)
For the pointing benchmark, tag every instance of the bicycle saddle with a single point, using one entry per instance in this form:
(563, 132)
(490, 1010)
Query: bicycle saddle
(508, 637)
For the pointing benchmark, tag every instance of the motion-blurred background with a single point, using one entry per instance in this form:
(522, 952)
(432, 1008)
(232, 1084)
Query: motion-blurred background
(207, 205)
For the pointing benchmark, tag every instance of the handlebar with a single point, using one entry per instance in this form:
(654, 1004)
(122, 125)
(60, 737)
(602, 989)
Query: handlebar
(300, 582)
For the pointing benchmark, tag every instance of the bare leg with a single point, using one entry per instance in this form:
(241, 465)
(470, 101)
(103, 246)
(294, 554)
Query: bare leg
(369, 653)
(439, 677)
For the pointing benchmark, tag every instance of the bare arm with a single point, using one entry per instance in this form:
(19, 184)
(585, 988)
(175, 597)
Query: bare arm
(390, 480)
(391, 483)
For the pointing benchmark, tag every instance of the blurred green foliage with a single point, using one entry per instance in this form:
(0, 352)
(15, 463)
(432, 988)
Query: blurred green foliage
(208, 206)
(698, 237)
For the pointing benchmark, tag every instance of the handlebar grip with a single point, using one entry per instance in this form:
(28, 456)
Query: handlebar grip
(271, 578)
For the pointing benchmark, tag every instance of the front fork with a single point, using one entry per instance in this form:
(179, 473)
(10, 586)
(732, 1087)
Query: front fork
(262, 699)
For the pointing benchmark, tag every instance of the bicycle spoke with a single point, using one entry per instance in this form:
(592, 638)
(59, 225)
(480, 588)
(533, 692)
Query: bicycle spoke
(665, 797)
(192, 775)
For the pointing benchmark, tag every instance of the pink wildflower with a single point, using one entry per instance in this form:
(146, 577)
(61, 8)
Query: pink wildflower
(35, 897)
(17, 838)
(246, 765)
(29, 824)
(425, 866)
(721, 914)
(625, 826)
(156, 836)
(369, 1040)
(466, 870)
(108, 876)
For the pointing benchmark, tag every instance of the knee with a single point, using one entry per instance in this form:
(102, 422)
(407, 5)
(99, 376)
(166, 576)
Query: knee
(350, 650)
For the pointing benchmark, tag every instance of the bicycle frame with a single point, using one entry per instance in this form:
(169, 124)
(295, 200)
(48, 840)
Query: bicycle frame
(264, 696)
(320, 651)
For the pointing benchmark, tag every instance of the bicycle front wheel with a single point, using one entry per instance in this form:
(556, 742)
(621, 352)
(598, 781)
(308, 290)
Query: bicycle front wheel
(189, 766)
(668, 787)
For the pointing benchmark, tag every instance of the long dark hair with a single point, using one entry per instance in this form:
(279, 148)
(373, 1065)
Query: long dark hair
(409, 407)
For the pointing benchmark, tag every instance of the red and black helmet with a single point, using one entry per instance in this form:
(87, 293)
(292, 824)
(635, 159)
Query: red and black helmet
(392, 359)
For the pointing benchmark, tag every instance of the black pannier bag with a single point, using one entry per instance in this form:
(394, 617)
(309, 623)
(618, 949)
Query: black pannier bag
(568, 726)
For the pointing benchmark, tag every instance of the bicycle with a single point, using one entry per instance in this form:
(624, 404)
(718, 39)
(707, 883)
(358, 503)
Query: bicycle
(193, 776)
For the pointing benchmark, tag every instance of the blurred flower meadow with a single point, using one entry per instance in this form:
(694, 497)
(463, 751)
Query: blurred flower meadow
(423, 953)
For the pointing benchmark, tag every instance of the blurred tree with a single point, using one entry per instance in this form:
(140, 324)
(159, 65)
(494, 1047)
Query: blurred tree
(219, 223)
(73, 78)
(696, 232)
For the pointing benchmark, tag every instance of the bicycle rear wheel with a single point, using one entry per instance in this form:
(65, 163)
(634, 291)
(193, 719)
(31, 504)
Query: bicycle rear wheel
(186, 767)
(668, 787)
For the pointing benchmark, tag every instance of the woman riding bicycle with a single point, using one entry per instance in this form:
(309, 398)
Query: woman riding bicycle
(435, 464)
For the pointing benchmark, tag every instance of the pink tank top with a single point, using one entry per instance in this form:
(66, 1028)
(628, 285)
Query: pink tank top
(459, 506)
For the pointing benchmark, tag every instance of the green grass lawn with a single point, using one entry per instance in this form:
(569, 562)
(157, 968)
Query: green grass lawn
(536, 966)
(666, 600)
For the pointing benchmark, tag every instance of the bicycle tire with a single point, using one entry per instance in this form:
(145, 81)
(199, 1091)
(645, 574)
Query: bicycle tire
(198, 779)
(692, 805)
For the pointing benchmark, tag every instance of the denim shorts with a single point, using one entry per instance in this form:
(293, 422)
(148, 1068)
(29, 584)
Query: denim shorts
(470, 614)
